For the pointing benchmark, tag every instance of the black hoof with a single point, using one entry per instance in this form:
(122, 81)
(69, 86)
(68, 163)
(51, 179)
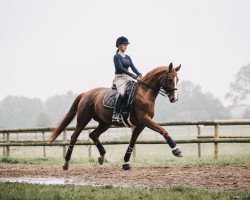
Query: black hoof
(177, 152)
(101, 160)
(65, 166)
(126, 166)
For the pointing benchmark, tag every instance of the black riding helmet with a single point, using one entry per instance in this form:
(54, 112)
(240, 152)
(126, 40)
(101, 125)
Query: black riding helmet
(121, 40)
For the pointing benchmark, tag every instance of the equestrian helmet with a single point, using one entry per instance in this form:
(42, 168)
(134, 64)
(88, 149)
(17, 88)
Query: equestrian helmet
(121, 40)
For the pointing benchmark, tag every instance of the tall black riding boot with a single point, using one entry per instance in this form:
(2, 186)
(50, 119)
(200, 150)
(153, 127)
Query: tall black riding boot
(117, 109)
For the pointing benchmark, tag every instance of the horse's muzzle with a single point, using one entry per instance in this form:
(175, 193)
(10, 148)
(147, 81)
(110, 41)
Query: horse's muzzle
(172, 100)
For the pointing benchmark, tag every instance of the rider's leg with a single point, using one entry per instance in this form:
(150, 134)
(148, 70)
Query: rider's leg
(120, 82)
(117, 107)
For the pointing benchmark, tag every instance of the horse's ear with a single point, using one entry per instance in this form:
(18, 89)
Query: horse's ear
(170, 67)
(178, 68)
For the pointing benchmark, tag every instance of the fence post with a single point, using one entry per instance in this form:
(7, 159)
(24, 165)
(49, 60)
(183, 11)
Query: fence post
(44, 150)
(90, 151)
(8, 142)
(134, 148)
(64, 141)
(216, 136)
(89, 146)
(199, 144)
(4, 152)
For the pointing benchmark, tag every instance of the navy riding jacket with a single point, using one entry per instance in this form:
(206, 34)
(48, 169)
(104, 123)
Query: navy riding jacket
(123, 63)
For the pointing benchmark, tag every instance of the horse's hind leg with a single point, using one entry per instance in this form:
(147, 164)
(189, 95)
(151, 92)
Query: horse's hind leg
(78, 130)
(94, 135)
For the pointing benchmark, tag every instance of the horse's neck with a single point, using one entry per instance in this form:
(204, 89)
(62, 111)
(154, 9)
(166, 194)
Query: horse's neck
(152, 86)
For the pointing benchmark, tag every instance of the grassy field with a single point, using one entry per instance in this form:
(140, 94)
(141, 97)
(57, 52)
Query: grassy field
(29, 191)
(206, 160)
(116, 152)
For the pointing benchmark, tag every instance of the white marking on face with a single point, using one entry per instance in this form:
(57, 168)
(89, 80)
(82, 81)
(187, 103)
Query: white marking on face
(175, 92)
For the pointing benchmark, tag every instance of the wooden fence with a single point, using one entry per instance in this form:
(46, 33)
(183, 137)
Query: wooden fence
(6, 143)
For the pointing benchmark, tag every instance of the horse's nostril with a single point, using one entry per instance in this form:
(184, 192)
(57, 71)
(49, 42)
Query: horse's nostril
(172, 100)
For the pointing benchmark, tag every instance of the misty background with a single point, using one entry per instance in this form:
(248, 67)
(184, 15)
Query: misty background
(50, 51)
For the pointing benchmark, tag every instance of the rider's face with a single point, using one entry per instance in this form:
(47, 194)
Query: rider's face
(123, 47)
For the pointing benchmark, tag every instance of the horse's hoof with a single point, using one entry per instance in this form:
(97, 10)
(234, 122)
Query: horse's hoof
(179, 155)
(177, 152)
(126, 166)
(65, 167)
(101, 160)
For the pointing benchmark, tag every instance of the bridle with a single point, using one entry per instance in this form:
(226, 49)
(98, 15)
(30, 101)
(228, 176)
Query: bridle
(168, 90)
(163, 92)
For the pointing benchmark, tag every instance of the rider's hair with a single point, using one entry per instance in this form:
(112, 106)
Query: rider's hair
(117, 50)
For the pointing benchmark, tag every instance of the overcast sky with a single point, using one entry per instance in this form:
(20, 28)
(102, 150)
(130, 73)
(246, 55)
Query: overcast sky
(51, 47)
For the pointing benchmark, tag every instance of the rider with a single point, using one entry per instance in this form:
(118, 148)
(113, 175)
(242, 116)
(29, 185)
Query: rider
(122, 75)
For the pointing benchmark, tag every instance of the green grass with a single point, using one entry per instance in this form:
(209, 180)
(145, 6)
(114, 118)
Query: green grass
(45, 161)
(29, 191)
(205, 160)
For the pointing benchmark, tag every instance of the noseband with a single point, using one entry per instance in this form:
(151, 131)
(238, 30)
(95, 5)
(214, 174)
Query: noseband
(165, 92)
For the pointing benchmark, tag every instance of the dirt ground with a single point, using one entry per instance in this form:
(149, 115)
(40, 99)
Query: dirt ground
(210, 176)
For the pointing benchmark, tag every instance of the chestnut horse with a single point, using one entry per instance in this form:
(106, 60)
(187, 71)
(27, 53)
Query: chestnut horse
(89, 105)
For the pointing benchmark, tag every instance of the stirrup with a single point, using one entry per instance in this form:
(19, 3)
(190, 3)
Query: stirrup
(116, 118)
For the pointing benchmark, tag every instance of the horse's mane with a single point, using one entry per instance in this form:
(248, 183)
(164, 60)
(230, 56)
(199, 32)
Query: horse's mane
(154, 72)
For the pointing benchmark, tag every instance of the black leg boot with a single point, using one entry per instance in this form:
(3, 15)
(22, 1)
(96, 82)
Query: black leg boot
(116, 111)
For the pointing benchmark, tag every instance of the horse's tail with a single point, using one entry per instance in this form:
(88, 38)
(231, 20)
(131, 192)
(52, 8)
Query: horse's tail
(66, 120)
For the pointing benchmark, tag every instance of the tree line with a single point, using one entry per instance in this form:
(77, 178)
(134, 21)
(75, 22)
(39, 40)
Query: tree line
(18, 111)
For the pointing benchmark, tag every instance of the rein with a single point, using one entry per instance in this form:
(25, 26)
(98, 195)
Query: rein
(162, 91)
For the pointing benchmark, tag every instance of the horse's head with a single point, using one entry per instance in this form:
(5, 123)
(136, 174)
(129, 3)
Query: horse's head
(169, 82)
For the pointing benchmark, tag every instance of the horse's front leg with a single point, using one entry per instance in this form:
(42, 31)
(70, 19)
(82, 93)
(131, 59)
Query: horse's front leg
(135, 134)
(148, 122)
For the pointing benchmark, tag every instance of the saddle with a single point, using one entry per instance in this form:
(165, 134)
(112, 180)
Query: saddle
(127, 105)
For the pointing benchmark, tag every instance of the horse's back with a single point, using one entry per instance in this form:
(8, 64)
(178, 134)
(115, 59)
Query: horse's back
(94, 94)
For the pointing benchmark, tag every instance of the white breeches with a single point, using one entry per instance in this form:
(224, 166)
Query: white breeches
(120, 82)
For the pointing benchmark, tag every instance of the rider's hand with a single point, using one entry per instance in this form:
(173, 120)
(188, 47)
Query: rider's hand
(139, 77)
(134, 76)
